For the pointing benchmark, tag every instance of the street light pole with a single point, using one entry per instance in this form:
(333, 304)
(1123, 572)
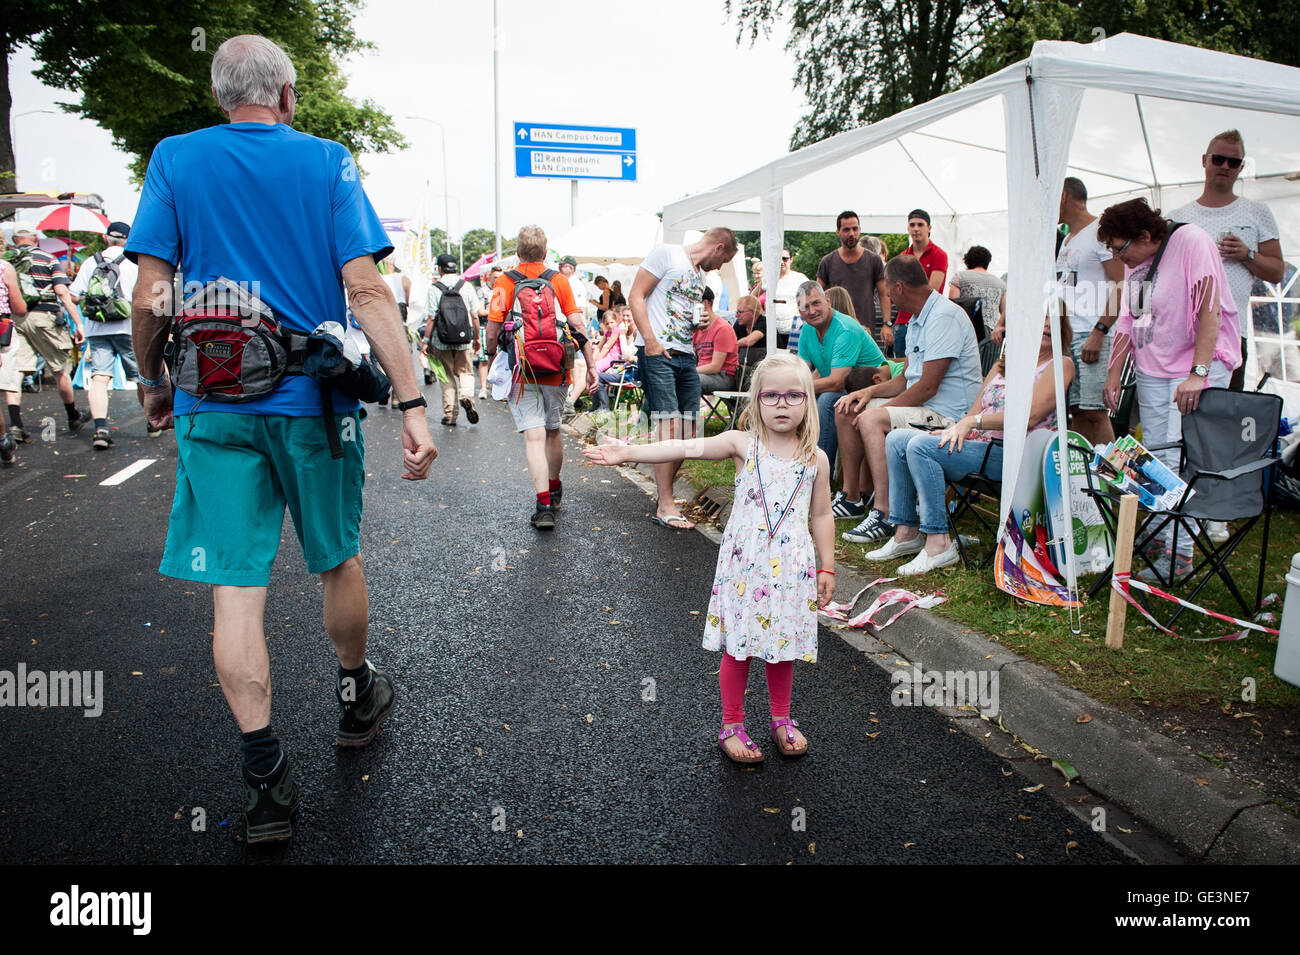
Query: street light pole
(496, 138)
(446, 204)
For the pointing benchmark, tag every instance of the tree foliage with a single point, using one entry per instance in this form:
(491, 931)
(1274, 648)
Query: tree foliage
(142, 68)
(859, 61)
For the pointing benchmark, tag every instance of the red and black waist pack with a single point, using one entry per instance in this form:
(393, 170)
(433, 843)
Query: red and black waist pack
(226, 345)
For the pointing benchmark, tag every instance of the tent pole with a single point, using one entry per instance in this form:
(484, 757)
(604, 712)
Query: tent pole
(1146, 140)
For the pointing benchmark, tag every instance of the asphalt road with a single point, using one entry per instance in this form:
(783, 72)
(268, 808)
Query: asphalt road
(521, 661)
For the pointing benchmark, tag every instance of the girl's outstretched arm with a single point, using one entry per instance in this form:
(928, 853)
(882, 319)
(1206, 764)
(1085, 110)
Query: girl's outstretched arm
(728, 444)
(822, 525)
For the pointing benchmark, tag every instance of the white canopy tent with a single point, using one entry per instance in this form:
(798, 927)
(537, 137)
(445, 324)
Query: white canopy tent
(621, 235)
(1128, 115)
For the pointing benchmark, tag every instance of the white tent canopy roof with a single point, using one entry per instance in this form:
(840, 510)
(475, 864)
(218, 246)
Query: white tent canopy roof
(621, 235)
(1148, 110)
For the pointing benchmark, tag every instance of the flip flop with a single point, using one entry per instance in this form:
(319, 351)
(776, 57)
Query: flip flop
(682, 524)
(789, 738)
(739, 731)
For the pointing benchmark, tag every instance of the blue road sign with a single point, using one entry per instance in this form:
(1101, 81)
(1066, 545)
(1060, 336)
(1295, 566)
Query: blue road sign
(581, 137)
(548, 151)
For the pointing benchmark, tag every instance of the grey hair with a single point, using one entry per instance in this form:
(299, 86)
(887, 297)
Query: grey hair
(250, 70)
(805, 288)
(531, 245)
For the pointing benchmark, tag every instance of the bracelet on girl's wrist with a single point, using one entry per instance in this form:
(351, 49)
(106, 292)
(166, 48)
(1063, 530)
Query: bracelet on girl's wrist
(822, 570)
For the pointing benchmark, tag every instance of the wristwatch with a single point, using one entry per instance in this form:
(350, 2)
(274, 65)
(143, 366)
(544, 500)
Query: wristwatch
(1250, 255)
(1104, 329)
(416, 402)
(1202, 370)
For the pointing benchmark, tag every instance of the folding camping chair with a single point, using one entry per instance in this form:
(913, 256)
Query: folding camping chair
(1122, 416)
(1228, 459)
(617, 389)
(726, 406)
(989, 355)
(967, 493)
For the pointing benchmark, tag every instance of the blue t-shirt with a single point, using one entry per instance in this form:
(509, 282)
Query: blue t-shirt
(944, 330)
(846, 344)
(259, 203)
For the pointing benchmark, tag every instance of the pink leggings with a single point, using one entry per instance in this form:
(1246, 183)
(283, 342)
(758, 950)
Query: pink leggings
(734, 675)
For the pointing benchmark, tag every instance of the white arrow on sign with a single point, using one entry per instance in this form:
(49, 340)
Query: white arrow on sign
(523, 134)
(627, 160)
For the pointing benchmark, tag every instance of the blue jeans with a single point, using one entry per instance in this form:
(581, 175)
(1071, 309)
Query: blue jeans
(900, 342)
(919, 471)
(827, 439)
(671, 384)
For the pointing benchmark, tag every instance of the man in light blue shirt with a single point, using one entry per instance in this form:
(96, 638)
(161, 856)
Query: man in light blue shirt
(833, 345)
(939, 384)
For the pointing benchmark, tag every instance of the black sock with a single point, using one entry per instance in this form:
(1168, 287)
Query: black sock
(360, 687)
(71, 409)
(16, 416)
(101, 423)
(262, 753)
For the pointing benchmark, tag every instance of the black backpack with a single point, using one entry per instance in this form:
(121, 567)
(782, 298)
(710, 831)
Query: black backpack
(452, 325)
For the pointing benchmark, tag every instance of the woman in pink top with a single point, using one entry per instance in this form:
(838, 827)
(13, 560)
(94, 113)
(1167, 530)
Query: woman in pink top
(1182, 331)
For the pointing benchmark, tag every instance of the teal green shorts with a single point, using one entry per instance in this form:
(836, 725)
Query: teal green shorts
(234, 475)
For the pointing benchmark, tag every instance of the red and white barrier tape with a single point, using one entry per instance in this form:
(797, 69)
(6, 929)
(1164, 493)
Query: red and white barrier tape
(1122, 582)
(839, 611)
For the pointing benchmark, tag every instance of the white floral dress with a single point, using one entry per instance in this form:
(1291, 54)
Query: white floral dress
(764, 600)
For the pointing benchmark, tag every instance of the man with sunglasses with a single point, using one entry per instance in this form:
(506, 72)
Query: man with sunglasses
(1246, 231)
(784, 307)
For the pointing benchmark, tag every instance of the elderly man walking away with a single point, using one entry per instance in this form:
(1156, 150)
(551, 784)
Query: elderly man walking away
(211, 201)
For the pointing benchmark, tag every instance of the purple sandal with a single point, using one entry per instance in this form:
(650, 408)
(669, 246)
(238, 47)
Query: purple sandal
(739, 731)
(789, 737)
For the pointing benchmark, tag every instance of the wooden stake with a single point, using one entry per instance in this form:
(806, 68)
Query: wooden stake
(1128, 509)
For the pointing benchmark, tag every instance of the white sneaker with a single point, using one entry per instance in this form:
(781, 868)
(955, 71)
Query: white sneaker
(923, 563)
(482, 394)
(1217, 531)
(896, 548)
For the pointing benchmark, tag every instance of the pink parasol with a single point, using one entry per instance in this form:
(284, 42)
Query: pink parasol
(474, 270)
(70, 218)
(58, 246)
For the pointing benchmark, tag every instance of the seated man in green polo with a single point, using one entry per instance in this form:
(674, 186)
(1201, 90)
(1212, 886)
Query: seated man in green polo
(833, 345)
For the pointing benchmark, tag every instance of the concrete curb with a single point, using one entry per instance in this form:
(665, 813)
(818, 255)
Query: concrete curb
(1198, 808)
(1201, 810)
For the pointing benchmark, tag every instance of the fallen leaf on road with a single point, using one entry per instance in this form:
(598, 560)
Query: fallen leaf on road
(1020, 857)
(1127, 832)
(1070, 845)
(1032, 789)
(1023, 817)
(1083, 718)
(478, 750)
(908, 845)
(507, 726)
(812, 848)
(365, 778)
(519, 833)
(1008, 772)
(771, 810)
(1201, 781)
(590, 718)
(873, 735)
(1237, 716)
(614, 623)
(1065, 769)
(1076, 666)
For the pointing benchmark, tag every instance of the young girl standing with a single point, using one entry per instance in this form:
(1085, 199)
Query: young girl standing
(772, 573)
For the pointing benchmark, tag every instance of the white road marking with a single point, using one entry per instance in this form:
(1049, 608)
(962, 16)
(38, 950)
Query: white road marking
(127, 473)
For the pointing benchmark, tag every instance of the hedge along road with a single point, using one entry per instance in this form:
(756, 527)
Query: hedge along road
(554, 704)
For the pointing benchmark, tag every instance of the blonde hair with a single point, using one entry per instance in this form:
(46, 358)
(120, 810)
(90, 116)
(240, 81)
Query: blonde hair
(838, 296)
(1227, 136)
(809, 428)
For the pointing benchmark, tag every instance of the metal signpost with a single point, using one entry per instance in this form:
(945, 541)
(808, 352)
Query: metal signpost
(549, 151)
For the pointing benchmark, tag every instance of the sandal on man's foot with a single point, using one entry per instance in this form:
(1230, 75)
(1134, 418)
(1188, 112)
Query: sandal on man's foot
(738, 731)
(786, 745)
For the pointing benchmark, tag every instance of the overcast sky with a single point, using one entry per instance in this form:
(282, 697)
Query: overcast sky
(705, 109)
